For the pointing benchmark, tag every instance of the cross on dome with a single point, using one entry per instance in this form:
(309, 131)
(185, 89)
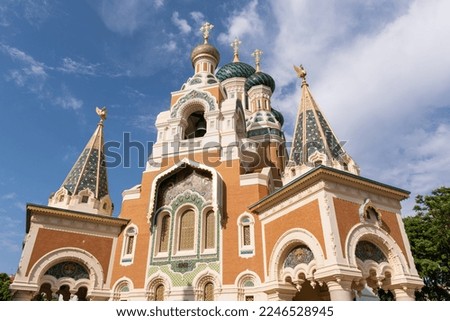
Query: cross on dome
(257, 54)
(205, 29)
(235, 45)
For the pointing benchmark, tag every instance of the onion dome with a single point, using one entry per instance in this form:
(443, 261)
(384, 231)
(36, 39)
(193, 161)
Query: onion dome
(260, 78)
(263, 122)
(205, 50)
(278, 116)
(235, 69)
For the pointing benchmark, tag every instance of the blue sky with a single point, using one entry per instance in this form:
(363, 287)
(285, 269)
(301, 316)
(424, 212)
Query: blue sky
(378, 69)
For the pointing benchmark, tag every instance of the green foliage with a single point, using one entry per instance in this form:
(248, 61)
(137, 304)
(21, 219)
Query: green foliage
(5, 293)
(429, 235)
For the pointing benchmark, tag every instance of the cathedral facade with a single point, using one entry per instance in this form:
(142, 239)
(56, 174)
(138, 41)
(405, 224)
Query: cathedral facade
(223, 211)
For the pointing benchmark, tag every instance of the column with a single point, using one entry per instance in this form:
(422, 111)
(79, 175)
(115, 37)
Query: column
(404, 294)
(340, 291)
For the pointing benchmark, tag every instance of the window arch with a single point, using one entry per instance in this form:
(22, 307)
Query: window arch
(209, 230)
(187, 230)
(129, 245)
(159, 292)
(164, 233)
(246, 237)
(208, 292)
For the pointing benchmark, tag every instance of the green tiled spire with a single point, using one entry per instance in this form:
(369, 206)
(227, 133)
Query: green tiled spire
(314, 142)
(89, 171)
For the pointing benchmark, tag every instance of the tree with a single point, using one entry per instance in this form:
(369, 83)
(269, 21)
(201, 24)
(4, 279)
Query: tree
(5, 281)
(429, 235)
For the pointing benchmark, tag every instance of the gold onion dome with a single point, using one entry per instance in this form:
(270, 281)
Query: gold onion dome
(205, 50)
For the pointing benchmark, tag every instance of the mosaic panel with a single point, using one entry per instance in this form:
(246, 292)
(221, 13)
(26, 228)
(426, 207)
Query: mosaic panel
(300, 254)
(189, 179)
(72, 270)
(193, 94)
(368, 251)
(186, 278)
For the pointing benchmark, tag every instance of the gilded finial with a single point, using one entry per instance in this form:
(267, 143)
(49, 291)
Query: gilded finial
(301, 73)
(235, 44)
(102, 112)
(205, 29)
(257, 54)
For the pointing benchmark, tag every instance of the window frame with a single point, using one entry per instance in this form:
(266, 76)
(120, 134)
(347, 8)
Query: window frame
(246, 250)
(131, 233)
(176, 251)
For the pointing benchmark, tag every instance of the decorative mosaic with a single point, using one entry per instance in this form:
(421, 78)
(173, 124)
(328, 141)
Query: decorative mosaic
(300, 254)
(264, 131)
(184, 278)
(193, 180)
(235, 69)
(297, 144)
(332, 142)
(85, 172)
(368, 251)
(314, 140)
(72, 270)
(193, 94)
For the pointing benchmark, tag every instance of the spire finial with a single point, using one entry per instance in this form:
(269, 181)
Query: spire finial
(205, 29)
(235, 44)
(101, 112)
(301, 73)
(257, 54)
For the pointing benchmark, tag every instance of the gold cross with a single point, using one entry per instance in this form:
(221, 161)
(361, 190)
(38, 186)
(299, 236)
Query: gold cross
(205, 29)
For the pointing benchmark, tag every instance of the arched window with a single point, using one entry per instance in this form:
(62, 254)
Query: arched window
(129, 245)
(209, 230)
(208, 292)
(246, 236)
(164, 233)
(187, 231)
(159, 293)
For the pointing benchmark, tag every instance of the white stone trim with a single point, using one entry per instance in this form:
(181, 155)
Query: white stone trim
(217, 185)
(128, 259)
(286, 242)
(251, 249)
(380, 238)
(96, 275)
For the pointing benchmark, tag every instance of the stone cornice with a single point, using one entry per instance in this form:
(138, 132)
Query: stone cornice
(72, 215)
(327, 174)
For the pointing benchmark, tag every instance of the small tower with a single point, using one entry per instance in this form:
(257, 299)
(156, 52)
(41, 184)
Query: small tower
(85, 188)
(314, 142)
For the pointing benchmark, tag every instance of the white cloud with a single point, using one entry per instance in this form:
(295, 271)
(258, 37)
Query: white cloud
(67, 101)
(144, 122)
(181, 24)
(75, 67)
(35, 12)
(31, 67)
(243, 23)
(159, 3)
(198, 17)
(380, 76)
(8, 196)
(126, 17)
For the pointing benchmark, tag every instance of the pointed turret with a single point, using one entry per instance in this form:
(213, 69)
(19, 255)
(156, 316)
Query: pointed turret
(314, 142)
(85, 188)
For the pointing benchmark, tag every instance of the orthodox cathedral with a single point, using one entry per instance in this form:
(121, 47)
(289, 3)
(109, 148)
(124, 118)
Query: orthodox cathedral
(223, 211)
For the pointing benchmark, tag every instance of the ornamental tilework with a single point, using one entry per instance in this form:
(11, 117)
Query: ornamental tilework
(300, 254)
(368, 251)
(72, 270)
(186, 278)
(193, 94)
(84, 174)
